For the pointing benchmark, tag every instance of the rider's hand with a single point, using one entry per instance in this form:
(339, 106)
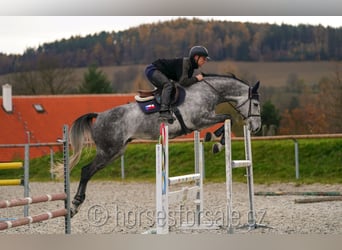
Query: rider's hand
(199, 77)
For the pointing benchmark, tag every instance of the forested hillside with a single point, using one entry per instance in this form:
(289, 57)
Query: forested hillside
(299, 66)
(225, 40)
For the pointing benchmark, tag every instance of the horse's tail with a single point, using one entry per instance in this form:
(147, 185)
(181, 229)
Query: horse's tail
(80, 132)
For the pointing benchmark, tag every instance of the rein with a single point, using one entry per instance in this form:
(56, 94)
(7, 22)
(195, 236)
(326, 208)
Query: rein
(211, 86)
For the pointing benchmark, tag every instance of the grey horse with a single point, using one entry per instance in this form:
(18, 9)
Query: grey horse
(113, 129)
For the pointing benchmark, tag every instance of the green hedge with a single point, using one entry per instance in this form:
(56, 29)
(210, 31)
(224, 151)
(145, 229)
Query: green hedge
(320, 161)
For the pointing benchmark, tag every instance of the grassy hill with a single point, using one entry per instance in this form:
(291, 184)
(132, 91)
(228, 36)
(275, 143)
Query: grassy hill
(320, 161)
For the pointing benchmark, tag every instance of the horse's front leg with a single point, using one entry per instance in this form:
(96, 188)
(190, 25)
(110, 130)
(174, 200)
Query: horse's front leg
(217, 147)
(218, 132)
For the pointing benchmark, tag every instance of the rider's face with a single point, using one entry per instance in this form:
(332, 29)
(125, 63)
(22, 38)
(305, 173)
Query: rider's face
(201, 60)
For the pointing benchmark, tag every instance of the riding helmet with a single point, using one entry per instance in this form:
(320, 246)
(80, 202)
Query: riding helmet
(200, 51)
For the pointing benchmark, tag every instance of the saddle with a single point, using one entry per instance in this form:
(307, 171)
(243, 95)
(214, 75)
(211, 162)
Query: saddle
(149, 100)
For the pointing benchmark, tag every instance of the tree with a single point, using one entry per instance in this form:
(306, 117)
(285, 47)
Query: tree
(95, 81)
(270, 117)
(307, 120)
(294, 84)
(330, 100)
(49, 78)
(54, 78)
(25, 83)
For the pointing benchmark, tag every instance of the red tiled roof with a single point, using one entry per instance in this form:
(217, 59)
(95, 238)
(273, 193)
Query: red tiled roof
(47, 126)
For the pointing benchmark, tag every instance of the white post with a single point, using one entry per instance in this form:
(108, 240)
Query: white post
(26, 177)
(249, 172)
(296, 158)
(67, 203)
(229, 177)
(122, 166)
(199, 160)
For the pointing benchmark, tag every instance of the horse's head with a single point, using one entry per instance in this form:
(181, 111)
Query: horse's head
(249, 108)
(229, 88)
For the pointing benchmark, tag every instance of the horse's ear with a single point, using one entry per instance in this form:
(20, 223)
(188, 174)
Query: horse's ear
(255, 87)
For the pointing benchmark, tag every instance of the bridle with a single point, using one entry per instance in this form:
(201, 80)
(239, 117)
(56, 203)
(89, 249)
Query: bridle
(251, 96)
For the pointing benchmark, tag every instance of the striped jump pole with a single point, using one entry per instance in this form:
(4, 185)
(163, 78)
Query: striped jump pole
(32, 219)
(45, 198)
(32, 200)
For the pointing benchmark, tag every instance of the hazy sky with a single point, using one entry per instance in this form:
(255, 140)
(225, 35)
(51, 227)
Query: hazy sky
(17, 33)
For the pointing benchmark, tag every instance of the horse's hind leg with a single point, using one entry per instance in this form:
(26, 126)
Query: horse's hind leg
(87, 172)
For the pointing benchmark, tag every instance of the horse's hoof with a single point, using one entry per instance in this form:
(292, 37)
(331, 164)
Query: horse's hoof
(74, 210)
(216, 148)
(76, 204)
(207, 137)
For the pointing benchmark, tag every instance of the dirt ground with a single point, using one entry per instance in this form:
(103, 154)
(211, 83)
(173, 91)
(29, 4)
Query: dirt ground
(129, 208)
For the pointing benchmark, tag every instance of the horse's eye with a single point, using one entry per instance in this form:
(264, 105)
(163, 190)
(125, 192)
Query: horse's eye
(256, 104)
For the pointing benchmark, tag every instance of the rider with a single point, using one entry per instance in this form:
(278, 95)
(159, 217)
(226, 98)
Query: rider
(162, 72)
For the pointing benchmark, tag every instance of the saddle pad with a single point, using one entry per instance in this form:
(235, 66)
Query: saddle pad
(149, 106)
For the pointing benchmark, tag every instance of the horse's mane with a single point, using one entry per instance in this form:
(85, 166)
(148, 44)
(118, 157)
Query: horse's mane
(230, 75)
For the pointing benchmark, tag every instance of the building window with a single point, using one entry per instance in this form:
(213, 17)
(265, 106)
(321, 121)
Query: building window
(39, 108)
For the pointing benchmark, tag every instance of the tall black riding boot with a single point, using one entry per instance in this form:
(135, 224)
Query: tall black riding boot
(164, 113)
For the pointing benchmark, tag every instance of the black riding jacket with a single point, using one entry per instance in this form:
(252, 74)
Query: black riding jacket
(178, 69)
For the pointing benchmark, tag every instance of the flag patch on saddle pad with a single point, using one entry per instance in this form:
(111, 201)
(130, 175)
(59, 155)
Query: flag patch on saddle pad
(150, 107)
